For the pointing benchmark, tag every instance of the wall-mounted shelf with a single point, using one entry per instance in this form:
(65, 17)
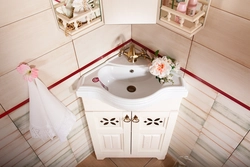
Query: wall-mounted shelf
(188, 25)
(81, 21)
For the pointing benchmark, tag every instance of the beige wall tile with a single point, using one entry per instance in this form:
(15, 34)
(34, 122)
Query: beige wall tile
(217, 140)
(184, 134)
(7, 127)
(1, 109)
(199, 99)
(169, 43)
(231, 124)
(232, 6)
(203, 156)
(26, 157)
(227, 34)
(13, 149)
(195, 109)
(12, 10)
(28, 39)
(51, 69)
(221, 72)
(52, 65)
(200, 86)
(65, 89)
(239, 110)
(100, 41)
(179, 147)
(237, 161)
(222, 132)
(190, 117)
(213, 148)
(183, 123)
(13, 89)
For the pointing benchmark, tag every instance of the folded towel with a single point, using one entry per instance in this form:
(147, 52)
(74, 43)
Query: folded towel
(48, 116)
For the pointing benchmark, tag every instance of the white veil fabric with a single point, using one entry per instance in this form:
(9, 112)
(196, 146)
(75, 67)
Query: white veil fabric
(48, 116)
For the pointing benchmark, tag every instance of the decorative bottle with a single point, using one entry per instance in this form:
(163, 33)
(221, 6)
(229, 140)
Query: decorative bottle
(191, 8)
(181, 7)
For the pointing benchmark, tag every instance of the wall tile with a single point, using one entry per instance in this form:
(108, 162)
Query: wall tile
(21, 10)
(179, 147)
(213, 148)
(184, 134)
(25, 158)
(12, 87)
(190, 117)
(227, 34)
(7, 127)
(100, 41)
(220, 141)
(222, 132)
(168, 42)
(221, 72)
(239, 117)
(242, 154)
(51, 69)
(28, 39)
(52, 65)
(187, 125)
(231, 6)
(200, 86)
(237, 162)
(14, 149)
(204, 157)
(195, 108)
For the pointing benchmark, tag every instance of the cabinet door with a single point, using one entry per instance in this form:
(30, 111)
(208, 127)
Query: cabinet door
(110, 134)
(152, 134)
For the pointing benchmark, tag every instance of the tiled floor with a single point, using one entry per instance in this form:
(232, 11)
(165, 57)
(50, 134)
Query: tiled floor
(91, 161)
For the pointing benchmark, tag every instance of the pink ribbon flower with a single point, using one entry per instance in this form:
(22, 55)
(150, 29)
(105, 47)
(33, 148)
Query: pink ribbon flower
(29, 74)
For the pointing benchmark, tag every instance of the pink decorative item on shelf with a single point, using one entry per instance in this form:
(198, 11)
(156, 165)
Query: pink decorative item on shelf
(191, 8)
(181, 7)
(29, 73)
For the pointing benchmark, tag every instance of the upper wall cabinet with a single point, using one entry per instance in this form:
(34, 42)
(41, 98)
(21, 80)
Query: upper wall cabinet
(185, 17)
(74, 16)
(130, 11)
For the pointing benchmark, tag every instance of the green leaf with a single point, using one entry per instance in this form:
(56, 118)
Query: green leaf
(156, 53)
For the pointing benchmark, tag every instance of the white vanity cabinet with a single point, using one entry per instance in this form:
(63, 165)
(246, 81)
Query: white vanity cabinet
(118, 133)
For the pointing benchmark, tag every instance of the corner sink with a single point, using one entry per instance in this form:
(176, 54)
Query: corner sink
(128, 82)
(127, 86)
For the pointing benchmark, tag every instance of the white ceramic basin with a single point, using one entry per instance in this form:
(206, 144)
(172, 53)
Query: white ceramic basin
(129, 87)
(128, 82)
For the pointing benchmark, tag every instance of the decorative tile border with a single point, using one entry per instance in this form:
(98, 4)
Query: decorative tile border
(105, 55)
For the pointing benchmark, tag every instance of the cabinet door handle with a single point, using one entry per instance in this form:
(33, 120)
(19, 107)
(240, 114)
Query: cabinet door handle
(127, 119)
(135, 119)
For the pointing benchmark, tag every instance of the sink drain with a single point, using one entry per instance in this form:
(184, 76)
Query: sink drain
(131, 88)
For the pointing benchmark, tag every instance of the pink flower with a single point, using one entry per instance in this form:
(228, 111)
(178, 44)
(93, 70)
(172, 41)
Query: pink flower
(160, 67)
(23, 68)
(29, 74)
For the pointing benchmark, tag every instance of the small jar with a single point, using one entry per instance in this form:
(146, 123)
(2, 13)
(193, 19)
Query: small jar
(191, 8)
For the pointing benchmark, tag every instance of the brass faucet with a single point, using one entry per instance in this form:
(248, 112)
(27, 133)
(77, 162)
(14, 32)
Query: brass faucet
(132, 54)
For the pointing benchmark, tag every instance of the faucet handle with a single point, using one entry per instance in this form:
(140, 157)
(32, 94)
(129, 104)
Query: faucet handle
(121, 52)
